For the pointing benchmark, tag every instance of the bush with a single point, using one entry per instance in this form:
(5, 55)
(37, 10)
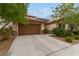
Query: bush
(76, 37)
(45, 31)
(76, 32)
(58, 31)
(7, 33)
(68, 38)
(68, 33)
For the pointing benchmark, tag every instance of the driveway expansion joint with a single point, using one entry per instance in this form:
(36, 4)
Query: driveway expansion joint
(58, 50)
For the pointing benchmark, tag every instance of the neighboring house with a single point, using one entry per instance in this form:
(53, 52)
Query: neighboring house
(56, 22)
(35, 26)
(50, 25)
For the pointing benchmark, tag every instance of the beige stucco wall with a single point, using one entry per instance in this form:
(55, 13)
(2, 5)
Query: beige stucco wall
(42, 27)
(15, 27)
(50, 26)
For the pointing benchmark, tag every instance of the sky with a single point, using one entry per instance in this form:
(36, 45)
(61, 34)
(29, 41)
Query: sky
(42, 10)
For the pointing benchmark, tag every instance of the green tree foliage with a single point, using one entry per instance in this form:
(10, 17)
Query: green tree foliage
(13, 12)
(68, 13)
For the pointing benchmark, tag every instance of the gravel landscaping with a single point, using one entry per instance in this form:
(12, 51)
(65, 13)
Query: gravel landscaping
(62, 39)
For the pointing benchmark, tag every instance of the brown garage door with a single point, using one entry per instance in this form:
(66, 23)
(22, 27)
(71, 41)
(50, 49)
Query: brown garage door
(29, 29)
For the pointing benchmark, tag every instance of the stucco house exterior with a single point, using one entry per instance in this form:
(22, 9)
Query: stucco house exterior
(55, 23)
(35, 26)
(50, 25)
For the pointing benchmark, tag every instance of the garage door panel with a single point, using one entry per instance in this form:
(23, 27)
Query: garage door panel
(29, 29)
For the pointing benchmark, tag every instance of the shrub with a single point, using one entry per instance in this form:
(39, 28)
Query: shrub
(76, 32)
(58, 31)
(45, 31)
(76, 37)
(7, 33)
(68, 38)
(68, 33)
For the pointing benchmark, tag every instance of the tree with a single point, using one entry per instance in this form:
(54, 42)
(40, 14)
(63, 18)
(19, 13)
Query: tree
(13, 12)
(68, 13)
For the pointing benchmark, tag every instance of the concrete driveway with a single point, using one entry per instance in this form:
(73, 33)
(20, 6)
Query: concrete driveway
(36, 45)
(71, 51)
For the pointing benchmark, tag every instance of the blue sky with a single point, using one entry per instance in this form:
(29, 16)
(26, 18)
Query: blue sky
(42, 10)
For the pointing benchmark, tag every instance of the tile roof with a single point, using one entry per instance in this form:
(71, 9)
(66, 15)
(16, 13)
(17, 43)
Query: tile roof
(34, 18)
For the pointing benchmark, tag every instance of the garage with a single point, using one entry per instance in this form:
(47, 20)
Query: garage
(29, 29)
(35, 26)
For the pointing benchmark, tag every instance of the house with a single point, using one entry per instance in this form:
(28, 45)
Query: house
(55, 23)
(35, 26)
(52, 23)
